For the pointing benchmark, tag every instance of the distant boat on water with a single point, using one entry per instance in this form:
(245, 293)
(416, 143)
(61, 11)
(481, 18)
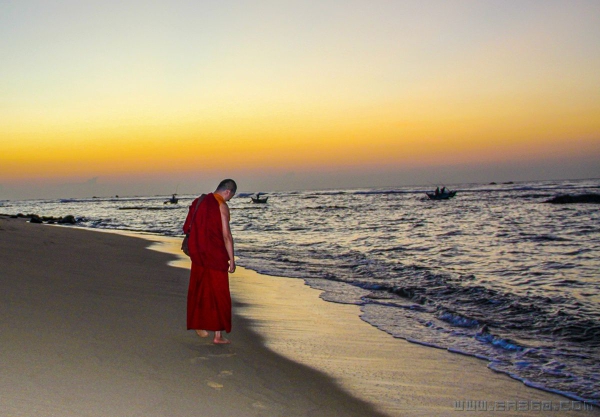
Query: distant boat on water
(172, 200)
(441, 195)
(257, 199)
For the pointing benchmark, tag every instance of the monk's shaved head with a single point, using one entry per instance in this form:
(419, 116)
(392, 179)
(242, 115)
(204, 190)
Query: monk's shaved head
(227, 184)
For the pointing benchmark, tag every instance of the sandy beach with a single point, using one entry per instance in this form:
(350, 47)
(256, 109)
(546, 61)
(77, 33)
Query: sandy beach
(94, 325)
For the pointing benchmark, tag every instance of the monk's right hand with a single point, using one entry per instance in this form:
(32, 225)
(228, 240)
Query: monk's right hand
(231, 267)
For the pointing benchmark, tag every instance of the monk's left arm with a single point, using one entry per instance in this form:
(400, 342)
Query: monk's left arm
(227, 237)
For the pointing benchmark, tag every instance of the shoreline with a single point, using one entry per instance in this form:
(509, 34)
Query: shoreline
(314, 351)
(274, 309)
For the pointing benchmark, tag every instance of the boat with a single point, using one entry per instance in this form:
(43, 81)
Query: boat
(257, 199)
(441, 195)
(172, 200)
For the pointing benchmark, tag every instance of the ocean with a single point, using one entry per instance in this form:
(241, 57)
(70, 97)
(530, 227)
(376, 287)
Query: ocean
(494, 273)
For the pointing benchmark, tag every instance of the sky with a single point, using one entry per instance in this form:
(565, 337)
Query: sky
(155, 97)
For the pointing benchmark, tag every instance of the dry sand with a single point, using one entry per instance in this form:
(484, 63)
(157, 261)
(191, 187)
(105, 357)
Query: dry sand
(93, 324)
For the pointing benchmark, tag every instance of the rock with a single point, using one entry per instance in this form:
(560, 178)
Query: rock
(35, 219)
(575, 199)
(67, 220)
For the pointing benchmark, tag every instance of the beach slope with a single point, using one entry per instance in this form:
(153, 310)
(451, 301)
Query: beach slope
(93, 324)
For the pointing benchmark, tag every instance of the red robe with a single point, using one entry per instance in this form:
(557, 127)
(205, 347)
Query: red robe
(209, 301)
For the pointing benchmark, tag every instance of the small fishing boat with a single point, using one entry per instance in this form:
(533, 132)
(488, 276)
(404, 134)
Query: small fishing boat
(441, 195)
(257, 199)
(172, 200)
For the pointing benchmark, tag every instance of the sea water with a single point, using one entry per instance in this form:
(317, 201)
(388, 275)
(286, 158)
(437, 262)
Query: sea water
(496, 272)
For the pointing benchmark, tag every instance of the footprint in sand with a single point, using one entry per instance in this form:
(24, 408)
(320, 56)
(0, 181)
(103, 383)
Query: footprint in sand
(225, 374)
(223, 355)
(260, 405)
(198, 359)
(214, 385)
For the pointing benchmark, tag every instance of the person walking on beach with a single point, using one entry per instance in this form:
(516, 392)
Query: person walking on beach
(210, 247)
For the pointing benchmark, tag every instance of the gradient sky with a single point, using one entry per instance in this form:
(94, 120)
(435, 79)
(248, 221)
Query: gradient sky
(149, 97)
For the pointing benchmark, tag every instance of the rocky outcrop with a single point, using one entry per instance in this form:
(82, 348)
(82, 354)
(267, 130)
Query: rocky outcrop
(34, 218)
(590, 198)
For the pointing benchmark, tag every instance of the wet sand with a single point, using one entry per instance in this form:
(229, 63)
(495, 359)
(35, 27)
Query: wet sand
(94, 325)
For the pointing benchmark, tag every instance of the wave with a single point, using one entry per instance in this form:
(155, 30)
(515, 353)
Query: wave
(548, 238)
(327, 208)
(171, 207)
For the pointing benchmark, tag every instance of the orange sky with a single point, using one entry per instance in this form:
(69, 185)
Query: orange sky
(176, 90)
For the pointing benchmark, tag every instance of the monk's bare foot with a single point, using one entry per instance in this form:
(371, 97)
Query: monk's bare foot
(202, 333)
(221, 341)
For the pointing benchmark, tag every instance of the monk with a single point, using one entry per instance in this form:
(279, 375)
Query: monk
(210, 247)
